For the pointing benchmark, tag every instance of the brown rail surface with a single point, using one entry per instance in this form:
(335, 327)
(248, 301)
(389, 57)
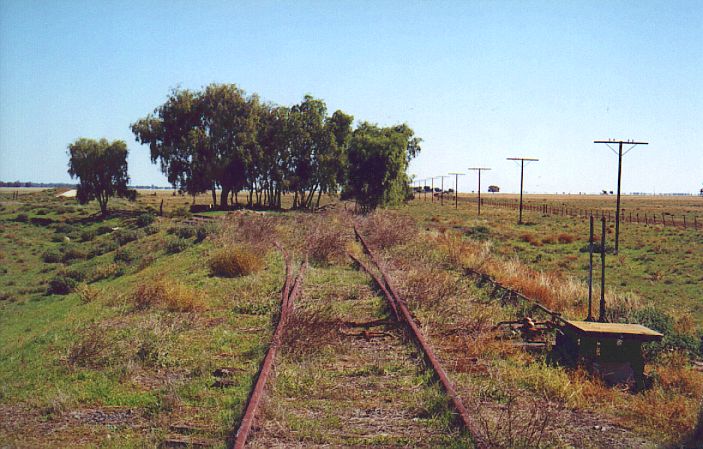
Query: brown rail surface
(397, 303)
(289, 292)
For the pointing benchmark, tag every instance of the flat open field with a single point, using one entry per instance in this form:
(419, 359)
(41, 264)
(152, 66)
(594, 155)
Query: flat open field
(135, 330)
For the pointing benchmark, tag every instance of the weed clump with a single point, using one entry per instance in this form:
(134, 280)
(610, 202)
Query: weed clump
(71, 252)
(384, 229)
(124, 236)
(176, 245)
(173, 296)
(87, 293)
(51, 256)
(125, 255)
(90, 351)
(144, 220)
(236, 261)
(565, 238)
(308, 331)
(61, 285)
(183, 232)
(103, 230)
(326, 245)
(531, 239)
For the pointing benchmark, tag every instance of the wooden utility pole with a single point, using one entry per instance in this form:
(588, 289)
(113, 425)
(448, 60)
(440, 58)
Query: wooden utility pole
(479, 170)
(620, 155)
(522, 176)
(441, 196)
(456, 188)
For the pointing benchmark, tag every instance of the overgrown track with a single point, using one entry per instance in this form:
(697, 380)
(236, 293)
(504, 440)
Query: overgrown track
(401, 311)
(290, 291)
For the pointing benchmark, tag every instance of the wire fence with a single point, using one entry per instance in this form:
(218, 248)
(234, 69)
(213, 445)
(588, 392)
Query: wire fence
(652, 218)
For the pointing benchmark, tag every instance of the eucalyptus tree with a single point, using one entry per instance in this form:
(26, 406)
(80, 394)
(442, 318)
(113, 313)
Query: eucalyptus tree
(378, 161)
(175, 141)
(101, 168)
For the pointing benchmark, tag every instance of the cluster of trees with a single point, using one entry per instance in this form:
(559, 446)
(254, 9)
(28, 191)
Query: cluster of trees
(220, 138)
(101, 168)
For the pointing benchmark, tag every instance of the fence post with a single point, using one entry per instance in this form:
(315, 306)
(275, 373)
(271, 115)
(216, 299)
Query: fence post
(684, 222)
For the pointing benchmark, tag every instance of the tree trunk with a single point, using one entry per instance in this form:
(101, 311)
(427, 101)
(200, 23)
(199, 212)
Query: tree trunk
(224, 197)
(214, 197)
(319, 194)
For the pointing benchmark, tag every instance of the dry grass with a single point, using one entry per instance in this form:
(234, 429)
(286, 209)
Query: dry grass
(532, 239)
(384, 229)
(254, 229)
(87, 293)
(235, 261)
(428, 286)
(326, 244)
(565, 238)
(91, 350)
(307, 331)
(171, 295)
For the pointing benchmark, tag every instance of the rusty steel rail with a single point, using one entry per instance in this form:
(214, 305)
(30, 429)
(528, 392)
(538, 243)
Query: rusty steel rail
(289, 292)
(393, 298)
(533, 302)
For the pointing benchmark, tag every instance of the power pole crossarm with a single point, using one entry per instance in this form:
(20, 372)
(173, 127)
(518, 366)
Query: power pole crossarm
(522, 173)
(620, 154)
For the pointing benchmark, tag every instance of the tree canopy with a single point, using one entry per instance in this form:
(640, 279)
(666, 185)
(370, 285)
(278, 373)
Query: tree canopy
(101, 168)
(378, 161)
(222, 138)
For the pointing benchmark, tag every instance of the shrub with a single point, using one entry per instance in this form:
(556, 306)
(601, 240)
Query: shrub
(87, 235)
(72, 273)
(184, 232)
(105, 271)
(548, 240)
(150, 230)
(176, 245)
(173, 296)
(51, 256)
(144, 220)
(63, 228)
(61, 285)
(90, 351)
(71, 252)
(428, 287)
(565, 238)
(124, 236)
(204, 230)
(236, 261)
(478, 232)
(531, 239)
(103, 230)
(125, 255)
(87, 293)
(22, 218)
(181, 212)
(384, 229)
(326, 245)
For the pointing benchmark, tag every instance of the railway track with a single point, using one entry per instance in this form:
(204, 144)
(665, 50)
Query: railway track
(402, 313)
(374, 384)
(290, 291)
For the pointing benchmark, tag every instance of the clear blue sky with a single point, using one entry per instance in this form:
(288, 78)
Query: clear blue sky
(478, 81)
